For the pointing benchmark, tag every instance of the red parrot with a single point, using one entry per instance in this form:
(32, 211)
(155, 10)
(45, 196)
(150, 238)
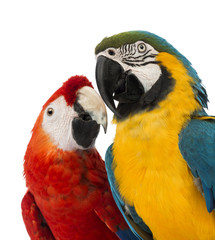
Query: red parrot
(68, 194)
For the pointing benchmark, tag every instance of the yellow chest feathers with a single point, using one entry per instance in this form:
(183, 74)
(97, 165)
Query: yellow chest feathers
(148, 154)
(151, 172)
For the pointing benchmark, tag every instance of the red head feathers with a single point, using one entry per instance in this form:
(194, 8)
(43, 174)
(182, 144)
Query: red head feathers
(69, 89)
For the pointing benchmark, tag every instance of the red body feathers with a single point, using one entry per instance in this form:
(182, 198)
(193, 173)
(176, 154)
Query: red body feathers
(68, 193)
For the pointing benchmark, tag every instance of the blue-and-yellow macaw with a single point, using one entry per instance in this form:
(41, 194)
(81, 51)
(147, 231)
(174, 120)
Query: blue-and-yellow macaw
(161, 166)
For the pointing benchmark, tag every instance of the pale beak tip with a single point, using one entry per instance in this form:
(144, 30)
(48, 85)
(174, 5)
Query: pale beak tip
(104, 121)
(105, 127)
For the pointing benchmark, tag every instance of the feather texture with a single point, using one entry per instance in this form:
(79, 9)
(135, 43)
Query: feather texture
(197, 145)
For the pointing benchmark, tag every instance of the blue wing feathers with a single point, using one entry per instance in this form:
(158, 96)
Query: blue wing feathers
(197, 146)
(126, 234)
(209, 198)
(138, 220)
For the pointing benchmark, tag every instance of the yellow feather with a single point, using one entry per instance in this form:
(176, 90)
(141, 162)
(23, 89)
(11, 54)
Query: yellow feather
(150, 170)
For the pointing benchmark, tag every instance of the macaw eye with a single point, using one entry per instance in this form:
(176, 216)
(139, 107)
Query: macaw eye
(50, 111)
(141, 47)
(111, 52)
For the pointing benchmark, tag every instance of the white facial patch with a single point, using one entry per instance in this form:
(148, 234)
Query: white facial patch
(140, 59)
(57, 123)
(147, 75)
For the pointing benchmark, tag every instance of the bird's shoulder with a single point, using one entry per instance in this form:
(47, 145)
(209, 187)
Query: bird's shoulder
(198, 136)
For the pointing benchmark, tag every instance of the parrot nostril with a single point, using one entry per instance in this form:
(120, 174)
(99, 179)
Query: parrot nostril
(85, 116)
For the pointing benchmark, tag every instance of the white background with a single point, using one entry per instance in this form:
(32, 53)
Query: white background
(43, 43)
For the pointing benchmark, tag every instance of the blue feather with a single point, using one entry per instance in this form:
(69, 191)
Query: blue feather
(126, 234)
(208, 197)
(197, 145)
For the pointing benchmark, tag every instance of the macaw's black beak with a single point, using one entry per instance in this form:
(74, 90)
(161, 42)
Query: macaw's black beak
(107, 74)
(84, 129)
(116, 84)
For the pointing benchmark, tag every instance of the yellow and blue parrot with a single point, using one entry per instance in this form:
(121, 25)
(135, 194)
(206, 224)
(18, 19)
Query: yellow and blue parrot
(161, 165)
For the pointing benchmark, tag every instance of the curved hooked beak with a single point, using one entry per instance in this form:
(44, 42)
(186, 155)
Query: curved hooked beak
(107, 73)
(92, 103)
(114, 83)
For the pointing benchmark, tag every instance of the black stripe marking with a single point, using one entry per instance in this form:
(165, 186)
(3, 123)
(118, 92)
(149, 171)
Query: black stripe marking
(146, 52)
(149, 56)
(134, 60)
(143, 64)
(150, 62)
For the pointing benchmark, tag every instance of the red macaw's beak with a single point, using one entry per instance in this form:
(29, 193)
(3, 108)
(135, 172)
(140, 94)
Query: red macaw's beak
(92, 103)
(91, 114)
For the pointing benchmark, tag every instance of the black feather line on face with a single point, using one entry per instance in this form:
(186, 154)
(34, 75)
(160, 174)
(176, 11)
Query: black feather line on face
(149, 56)
(150, 99)
(142, 64)
(137, 59)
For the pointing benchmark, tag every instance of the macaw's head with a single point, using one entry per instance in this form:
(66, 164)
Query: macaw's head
(71, 118)
(139, 70)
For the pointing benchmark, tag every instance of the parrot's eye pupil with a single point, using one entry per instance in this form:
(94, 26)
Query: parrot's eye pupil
(50, 111)
(111, 52)
(141, 47)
